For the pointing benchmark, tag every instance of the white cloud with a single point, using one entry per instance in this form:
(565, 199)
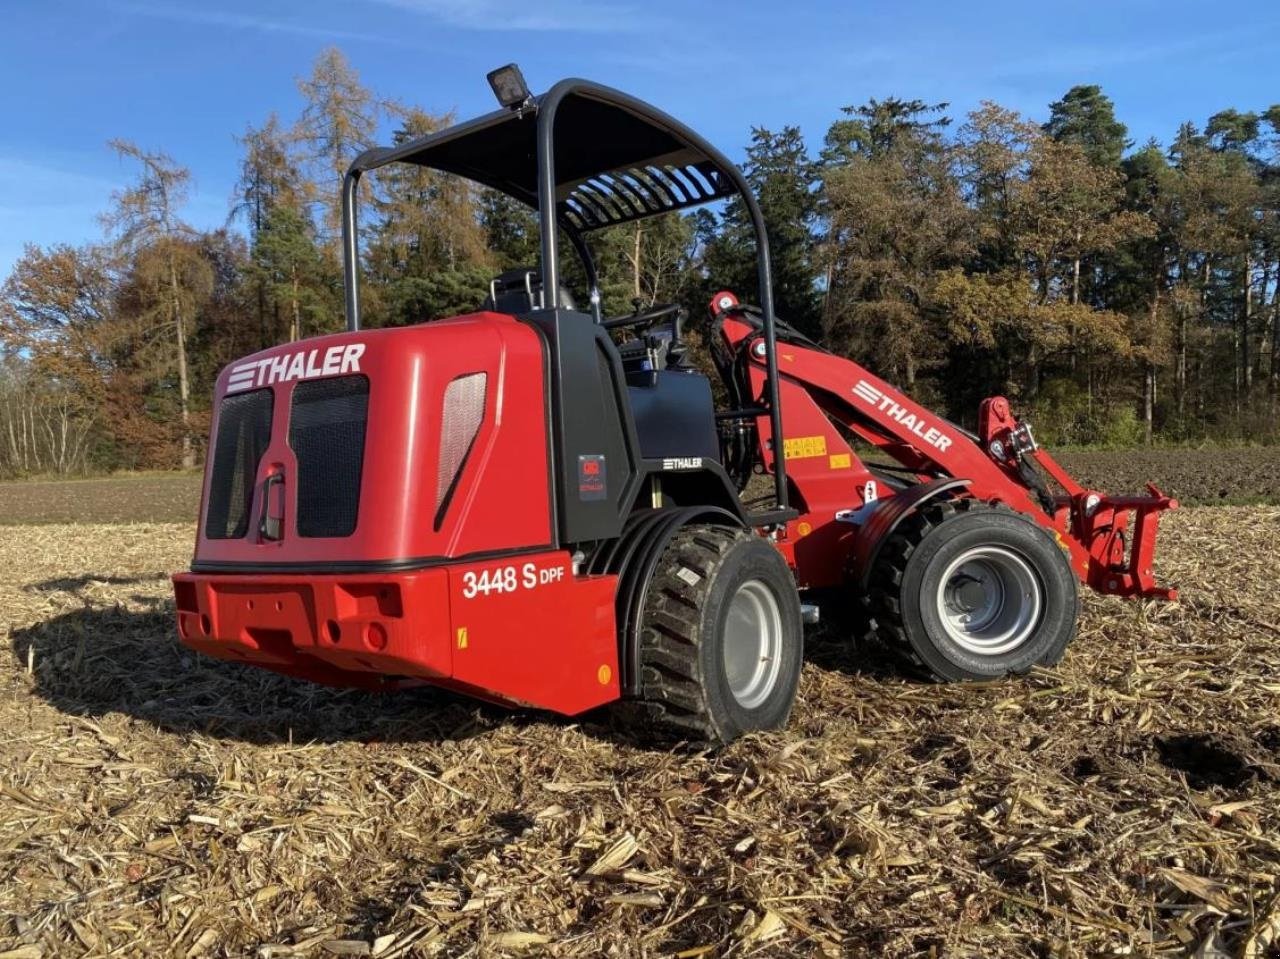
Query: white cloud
(1087, 59)
(31, 185)
(43, 203)
(46, 201)
(257, 24)
(558, 15)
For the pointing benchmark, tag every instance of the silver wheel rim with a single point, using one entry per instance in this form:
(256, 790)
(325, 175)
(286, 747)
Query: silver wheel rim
(752, 647)
(990, 600)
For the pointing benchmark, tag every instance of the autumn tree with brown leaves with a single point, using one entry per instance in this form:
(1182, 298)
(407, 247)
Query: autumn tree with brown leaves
(1115, 294)
(156, 244)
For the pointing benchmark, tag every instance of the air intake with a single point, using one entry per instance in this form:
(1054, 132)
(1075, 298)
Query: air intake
(463, 414)
(244, 431)
(326, 433)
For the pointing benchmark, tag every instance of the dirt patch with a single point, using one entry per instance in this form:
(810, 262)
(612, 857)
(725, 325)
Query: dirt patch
(156, 803)
(150, 498)
(1195, 477)
(1205, 760)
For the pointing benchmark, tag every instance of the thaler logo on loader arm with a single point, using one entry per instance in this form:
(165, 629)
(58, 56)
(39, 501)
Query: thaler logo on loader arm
(916, 424)
(300, 365)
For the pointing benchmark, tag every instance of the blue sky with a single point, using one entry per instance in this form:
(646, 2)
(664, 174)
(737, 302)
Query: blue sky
(185, 76)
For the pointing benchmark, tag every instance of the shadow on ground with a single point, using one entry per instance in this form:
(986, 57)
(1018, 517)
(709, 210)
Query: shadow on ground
(76, 585)
(831, 648)
(95, 661)
(101, 659)
(841, 642)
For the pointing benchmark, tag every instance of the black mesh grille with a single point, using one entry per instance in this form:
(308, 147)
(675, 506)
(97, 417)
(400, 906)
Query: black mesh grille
(326, 433)
(244, 430)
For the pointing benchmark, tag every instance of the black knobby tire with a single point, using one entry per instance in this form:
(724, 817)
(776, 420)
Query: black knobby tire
(910, 604)
(692, 608)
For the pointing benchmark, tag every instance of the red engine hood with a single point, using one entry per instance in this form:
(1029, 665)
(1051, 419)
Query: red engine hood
(497, 497)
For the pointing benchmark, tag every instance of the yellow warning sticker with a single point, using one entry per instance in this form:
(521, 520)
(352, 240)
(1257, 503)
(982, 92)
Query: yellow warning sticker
(802, 447)
(462, 637)
(840, 461)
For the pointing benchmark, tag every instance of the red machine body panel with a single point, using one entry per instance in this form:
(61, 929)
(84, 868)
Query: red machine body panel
(1109, 540)
(447, 575)
(526, 630)
(339, 630)
(522, 630)
(501, 496)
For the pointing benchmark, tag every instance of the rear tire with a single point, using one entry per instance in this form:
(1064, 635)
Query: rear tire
(721, 642)
(972, 593)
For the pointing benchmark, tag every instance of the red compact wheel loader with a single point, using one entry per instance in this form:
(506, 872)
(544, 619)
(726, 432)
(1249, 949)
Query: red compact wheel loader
(539, 505)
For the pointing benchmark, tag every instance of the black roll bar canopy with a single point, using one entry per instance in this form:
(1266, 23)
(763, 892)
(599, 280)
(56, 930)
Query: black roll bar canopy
(585, 156)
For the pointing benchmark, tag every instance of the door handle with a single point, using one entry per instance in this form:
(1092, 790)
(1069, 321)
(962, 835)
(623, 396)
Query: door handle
(271, 525)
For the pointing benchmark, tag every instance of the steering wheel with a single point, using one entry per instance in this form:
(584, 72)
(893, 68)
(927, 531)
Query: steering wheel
(649, 317)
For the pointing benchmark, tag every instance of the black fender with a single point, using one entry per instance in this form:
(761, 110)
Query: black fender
(633, 557)
(885, 518)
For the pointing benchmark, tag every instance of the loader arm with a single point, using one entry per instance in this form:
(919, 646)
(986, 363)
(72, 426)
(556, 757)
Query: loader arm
(1110, 540)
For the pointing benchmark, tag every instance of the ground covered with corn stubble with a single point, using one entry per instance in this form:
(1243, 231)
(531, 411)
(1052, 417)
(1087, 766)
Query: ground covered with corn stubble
(153, 803)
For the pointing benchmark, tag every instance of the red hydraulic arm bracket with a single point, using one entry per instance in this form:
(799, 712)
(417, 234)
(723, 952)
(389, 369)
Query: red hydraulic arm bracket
(1101, 523)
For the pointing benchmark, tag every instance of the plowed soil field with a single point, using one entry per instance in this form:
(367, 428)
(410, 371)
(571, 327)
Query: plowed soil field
(1207, 476)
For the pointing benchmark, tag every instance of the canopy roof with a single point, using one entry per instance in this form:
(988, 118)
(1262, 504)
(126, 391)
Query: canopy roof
(585, 156)
(616, 159)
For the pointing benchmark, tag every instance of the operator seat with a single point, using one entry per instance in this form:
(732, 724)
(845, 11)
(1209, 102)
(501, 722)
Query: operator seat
(519, 291)
(671, 405)
(671, 402)
(674, 415)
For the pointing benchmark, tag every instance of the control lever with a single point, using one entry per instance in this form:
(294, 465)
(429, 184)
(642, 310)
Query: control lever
(677, 358)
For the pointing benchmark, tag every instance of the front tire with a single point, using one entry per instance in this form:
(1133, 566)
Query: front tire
(973, 593)
(721, 641)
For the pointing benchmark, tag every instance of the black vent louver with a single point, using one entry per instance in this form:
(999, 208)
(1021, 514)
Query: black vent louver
(244, 431)
(621, 196)
(326, 433)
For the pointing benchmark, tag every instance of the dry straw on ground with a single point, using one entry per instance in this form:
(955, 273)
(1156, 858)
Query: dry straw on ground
(153, 803)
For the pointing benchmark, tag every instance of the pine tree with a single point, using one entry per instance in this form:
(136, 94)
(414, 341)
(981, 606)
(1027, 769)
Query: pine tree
(288, 266)
(269, 180)
(1142, 276)
(510, 230)
(880, 128)
(895, 220)
(427, 223)
(1086, 117)
(783, 177)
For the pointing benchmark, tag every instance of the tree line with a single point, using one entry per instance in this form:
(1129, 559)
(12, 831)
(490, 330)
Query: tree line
(1117, 293)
